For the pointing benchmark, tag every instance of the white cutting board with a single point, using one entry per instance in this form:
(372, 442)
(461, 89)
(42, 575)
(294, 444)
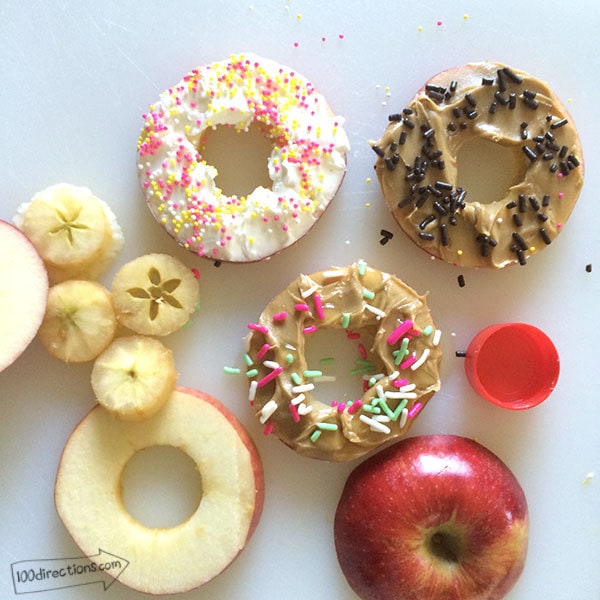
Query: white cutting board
(75, 78)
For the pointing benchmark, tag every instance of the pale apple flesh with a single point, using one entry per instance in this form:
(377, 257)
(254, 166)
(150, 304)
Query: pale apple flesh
(170, 560)
(436, 517)
(23, 293)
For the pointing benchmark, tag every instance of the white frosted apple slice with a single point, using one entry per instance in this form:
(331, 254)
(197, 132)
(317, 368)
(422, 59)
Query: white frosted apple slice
(134, 377)
(23, 293)
(176, 559)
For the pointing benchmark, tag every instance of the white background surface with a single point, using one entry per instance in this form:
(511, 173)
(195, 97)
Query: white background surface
(75, 78)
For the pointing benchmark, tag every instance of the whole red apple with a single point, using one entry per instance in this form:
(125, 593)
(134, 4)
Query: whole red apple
(432, 517)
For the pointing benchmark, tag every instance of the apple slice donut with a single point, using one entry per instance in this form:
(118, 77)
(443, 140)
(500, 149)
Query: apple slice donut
(177, 559)
(397, 361)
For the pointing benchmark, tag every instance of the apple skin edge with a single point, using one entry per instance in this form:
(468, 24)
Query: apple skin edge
(433, 516)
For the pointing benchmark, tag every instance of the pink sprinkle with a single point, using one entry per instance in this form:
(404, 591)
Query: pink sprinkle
(301, 307)
(295, 414)
(352, 335)
(263, 350)
(439, 23)
(355, 406)
(409, 361)
(319, 306)
(280, 316)
(257, 327)
(399, 331)
(310, 329)
(560, 195)
(269, 377)
(417, 406)
(341, 36)
(268, 429)
(362, 350)
(196, 273)
(341, 407)
(400, 382)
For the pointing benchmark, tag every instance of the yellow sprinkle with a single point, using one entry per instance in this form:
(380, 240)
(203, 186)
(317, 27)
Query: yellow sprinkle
(298, 16)
(367, 205)
(459, 252)
(531, 248)
(465, 16)
(368, 180)
(251, 240)
(420, 28)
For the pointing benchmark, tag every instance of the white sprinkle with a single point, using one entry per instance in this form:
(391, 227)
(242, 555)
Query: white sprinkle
(297, 399)
(271, 364)
(376, 311)
(407, 388)
(374, 425)
(267, 410)
(380, 392)
(400, 395)
(421, 359)
(334, 274)
(403, 418)
(394, 375)
(304, 409)
(252, 390)
(290, 347)
(325, 379)
(436, 337)
(306, 387)
(376, 377)
(381, 418)
(310, 291)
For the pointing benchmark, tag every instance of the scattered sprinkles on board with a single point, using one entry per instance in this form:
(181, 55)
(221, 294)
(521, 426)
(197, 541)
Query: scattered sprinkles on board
(397, 361)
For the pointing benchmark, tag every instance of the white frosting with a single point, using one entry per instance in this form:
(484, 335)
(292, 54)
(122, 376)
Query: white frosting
(306, 166)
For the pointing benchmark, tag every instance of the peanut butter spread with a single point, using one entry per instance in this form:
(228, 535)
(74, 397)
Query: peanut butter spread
(418, 169)
(397, 367)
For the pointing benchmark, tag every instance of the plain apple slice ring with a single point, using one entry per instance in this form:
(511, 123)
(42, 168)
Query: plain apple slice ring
(171, 560)
(397, 361)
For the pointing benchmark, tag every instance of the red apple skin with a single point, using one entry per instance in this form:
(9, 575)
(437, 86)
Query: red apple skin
(423, 488)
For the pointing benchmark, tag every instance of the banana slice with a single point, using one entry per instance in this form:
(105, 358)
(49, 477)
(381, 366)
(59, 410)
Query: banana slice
(134, 377)
(155, 294)
(80, 321)
(76, 233)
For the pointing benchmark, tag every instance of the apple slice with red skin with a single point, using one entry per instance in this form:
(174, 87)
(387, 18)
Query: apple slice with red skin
(88, 494)
(23, 293)
(432, 517)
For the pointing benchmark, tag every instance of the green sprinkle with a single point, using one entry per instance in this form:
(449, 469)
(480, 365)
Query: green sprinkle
(399, 409)
(313, 373)
(289, 358)
(386, 409)
(327, 426)
(232, 370)
(315, 435)
(368, 294)
(248, 359)
(296, 378)
(362, 370)
(327, 360)
(401, 352)
(362, 267)
(428, 330)
(252, 373)
(371, 409)
(345, 320)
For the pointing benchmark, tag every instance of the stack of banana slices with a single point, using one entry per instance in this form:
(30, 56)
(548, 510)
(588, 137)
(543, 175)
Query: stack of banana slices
(77, 236)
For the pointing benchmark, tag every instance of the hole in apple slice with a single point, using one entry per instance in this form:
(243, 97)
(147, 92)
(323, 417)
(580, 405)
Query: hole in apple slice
(161, 486)
(344, 359)
(240, 157)
(488, 170)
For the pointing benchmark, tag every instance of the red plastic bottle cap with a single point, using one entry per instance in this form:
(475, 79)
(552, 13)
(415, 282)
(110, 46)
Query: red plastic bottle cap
(513, 365)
